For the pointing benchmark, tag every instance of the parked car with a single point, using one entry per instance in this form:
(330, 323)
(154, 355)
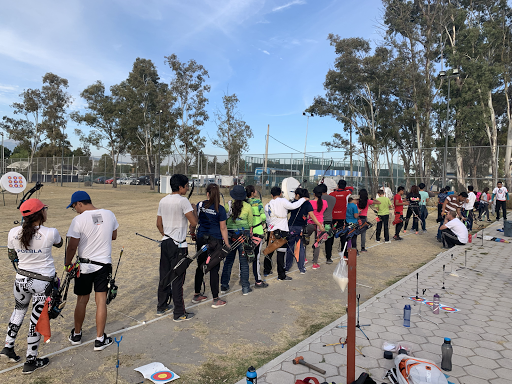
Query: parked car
(100, 180)
(143, 180)
(109, 181)
(125, 180)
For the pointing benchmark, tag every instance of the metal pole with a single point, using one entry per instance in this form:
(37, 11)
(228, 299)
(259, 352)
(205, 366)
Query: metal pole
(446, 134)
(159, 140)
(305, 144)
(3, 166)
(351, 316)
(266, 161)
(62, 159)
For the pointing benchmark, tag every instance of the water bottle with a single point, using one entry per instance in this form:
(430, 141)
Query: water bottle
(251, 376)
(435, 307)
(447, 352)
(407, 315)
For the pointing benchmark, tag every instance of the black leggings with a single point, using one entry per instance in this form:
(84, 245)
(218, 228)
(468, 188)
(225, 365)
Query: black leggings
(214, 273)
(410, 211)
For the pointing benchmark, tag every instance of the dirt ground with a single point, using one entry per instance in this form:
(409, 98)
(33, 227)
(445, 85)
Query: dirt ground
(219, 344)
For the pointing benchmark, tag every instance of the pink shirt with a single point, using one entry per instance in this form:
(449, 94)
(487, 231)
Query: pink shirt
(364, 212)
(319, 215)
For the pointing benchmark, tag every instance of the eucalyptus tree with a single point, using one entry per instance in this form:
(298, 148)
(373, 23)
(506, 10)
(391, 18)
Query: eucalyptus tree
(233, 133)
(147, 114)
(103, 114)
(357, 91)
(188, 86)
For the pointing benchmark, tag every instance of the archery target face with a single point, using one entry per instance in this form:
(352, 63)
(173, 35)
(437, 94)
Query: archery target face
(448, 309)
(419, 299)
(162, 376)
(13, 182)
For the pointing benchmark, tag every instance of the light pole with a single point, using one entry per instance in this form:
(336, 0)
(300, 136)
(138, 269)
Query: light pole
(3, 158)
(307, 114)
(62, 158)
(160, 182)
(442, 74)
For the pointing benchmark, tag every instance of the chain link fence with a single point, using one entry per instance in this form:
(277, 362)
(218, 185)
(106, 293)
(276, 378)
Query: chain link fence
(480, 166)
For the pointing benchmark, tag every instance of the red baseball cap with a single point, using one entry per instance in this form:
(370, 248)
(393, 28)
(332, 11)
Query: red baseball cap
(31, 206)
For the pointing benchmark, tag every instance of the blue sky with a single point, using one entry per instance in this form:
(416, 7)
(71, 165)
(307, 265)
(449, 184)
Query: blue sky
(273, 54)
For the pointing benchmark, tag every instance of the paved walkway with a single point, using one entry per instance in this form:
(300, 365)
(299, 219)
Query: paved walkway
(481, 331)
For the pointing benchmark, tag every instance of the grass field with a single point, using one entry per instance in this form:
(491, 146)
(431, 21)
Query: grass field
(218, 345)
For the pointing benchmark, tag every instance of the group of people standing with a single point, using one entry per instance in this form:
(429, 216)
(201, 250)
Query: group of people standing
(30, 249)
(301, 222)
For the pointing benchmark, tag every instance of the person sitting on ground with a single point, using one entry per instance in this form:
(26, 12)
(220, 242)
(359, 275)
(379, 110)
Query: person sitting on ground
(90, 236)
(31, 244)
(399, 212)
(296, 223)
(319, 207)
(276, 212)
(452, 203)
(240, 221)
(258, 215)
(414, 199)
(383, 215)
(212, 230)
(454, 232)
(363, 204)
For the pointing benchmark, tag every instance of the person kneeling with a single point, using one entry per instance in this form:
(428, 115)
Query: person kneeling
(453, 231)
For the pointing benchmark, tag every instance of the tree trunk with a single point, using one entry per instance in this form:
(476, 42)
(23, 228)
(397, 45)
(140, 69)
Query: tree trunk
(508, 150)
(390, 168)
(115, 158)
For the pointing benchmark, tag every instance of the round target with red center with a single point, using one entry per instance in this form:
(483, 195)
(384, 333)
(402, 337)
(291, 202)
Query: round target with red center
(162, 376)
(418, 299)
(449, 309)
(431, 303)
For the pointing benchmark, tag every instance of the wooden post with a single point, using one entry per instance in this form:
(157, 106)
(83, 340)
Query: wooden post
(351, 315)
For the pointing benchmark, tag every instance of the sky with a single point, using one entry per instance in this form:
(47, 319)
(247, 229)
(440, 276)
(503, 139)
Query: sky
(273, 54)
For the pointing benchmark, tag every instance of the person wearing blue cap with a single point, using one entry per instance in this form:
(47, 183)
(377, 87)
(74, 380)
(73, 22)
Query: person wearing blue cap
(91, 234)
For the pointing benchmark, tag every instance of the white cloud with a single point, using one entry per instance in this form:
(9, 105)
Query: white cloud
(288, 5)
(266, 52)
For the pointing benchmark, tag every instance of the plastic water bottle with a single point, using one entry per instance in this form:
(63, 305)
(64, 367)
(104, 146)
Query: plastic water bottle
(435, 307)
(407, 315)
(446, 352)
(251, 377)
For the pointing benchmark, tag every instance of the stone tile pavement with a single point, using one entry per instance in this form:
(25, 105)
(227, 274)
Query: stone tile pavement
(481, 331)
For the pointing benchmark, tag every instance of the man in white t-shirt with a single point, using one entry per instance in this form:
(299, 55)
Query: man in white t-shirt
(91, 233)
(174, 213)
(501, 194)
(454, 232)
(468, 206)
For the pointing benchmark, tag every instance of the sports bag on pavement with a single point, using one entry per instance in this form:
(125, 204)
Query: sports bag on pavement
(411, 370)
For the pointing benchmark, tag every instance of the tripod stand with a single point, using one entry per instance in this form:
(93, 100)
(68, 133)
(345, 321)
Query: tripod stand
(358, 326)
(418, 299)
(465, 265)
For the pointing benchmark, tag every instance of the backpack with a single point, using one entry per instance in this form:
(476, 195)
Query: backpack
(411, 370)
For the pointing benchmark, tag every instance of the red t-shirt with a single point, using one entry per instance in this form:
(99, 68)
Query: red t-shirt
(340, 208)
(398, 199)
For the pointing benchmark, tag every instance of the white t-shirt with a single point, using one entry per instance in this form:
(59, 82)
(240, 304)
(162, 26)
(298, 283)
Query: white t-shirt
(471, 202)
(38, 257)
(172, 209)
(94, 229)
(276, 212)
(459, 229)
(500, 193)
